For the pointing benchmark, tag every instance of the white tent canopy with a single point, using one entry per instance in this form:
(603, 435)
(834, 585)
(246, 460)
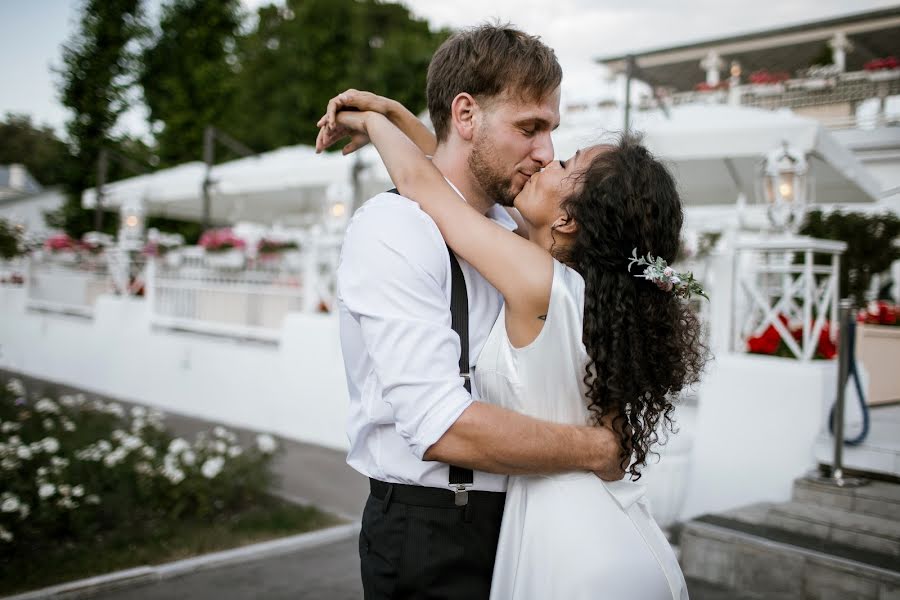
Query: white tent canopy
(715, 150)
(287, 182)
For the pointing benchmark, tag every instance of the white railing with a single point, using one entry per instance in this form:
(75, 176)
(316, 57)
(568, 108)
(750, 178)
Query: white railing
(66, 283)
(838, 93)
(769, 285)
(246, 302)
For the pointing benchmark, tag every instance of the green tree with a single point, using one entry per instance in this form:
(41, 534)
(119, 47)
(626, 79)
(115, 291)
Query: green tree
(188, 74)
(96, 77)
(43, 154)
(301, 55)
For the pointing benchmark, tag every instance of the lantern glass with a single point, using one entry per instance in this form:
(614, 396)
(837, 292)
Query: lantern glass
(784, 187)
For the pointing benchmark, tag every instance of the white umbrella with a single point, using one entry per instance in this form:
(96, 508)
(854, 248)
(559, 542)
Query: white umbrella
(715, 150)
(290, 181)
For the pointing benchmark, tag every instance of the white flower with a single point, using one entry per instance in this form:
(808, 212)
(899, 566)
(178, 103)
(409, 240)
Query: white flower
(67, 400)
(220, 447)
(219, 431)
(68, 425)
(16, 387)
(58, 462)
(10, 504)
(23, 452)
(93, 499)
(5, 535)
(66, 502)
(115, 409)
(104, 446)
(9, 426)
(175, 476)
(137, 425)
(178, 445)
(131, 442)
(188, 457)
(46, 490)
(48, 423)
(118, 434)
(148, 452)
(266, 443)
(668, 271)
(42, 471)
(212, 467)
(138, 412)
(46, 405)
(78, 491)
(65, 489)
(24, 511)
(15, 440)
(9, 464)
(51, 445)
(235, 451)
(144, 468)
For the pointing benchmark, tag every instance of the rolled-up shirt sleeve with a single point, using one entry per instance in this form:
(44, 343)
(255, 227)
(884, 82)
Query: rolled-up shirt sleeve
(392, 279)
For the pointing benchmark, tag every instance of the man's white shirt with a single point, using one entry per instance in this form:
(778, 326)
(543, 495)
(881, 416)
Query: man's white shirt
(400, 354)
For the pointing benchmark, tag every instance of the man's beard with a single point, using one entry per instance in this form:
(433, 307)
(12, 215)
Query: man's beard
(497, 187)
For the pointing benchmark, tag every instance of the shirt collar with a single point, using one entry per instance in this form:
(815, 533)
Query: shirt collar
(495, 213)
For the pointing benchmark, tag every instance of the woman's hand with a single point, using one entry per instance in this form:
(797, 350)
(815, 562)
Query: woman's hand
(347, 123)
(356, 100)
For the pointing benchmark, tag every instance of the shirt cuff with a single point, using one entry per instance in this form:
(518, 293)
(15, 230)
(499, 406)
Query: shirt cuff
(439, 420)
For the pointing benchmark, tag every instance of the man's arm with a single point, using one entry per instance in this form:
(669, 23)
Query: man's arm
(497, 440)
(390, 279)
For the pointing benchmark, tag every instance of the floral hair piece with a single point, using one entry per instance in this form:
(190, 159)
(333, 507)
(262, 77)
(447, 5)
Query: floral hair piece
(665, 277)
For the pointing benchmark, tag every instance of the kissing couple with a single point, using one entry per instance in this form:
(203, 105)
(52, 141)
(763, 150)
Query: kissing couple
(511, 355)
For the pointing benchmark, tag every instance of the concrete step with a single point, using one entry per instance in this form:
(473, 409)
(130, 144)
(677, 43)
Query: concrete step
(866, 532)
(777, 564)
(704, 590)
(879, 453)
(877, 498)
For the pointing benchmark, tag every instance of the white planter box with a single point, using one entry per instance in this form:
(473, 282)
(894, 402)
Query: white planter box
(884, 75)
(228, 259)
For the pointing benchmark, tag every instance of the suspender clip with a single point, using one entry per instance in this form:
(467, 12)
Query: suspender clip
(461, 493)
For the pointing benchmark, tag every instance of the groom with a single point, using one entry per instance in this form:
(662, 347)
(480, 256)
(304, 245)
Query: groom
(493, 96)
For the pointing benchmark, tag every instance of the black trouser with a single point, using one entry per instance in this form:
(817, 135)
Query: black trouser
(416, 544)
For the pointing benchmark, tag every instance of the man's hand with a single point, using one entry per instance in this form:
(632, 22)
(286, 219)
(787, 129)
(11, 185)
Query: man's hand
(610, 466)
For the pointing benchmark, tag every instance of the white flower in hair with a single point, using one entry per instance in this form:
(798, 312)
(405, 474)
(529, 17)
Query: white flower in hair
(665, 277)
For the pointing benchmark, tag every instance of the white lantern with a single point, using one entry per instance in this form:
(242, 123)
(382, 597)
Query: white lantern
(785, 188)
(131, 226)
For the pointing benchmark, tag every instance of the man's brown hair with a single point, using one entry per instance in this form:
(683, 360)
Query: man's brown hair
(487, 61)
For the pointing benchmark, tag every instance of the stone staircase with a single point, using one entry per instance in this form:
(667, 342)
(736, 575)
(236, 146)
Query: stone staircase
(826, 543)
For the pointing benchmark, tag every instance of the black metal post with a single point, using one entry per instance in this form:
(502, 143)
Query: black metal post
(629, 74)
(102, 170)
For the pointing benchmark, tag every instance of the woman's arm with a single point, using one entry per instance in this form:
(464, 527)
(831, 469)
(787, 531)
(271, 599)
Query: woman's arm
(520, 270)
(396, 113)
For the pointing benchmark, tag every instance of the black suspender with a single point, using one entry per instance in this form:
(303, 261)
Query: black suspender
(460, 478)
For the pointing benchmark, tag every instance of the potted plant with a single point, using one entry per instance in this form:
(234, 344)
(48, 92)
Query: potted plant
(883, 69)
(271, 249)
(878, 347)
(223, 249)
(770, 342)
(765, 83)
(62, 249)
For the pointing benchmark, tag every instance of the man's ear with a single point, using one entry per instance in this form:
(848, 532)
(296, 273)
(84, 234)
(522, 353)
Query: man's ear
(463, 114)
(565, 224)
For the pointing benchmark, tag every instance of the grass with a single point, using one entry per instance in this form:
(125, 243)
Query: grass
(153, 542)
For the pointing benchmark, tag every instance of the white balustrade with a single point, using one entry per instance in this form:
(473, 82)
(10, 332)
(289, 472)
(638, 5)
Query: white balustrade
(769, 284)
(66, 282)
(247, 302)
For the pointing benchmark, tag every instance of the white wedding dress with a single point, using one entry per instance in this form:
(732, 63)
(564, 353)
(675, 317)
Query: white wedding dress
(569, 536)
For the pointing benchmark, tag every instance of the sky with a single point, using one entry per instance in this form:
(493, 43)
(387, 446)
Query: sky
(33, 31)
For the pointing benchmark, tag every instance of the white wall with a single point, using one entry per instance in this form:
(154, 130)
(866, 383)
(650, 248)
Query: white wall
(296, 389)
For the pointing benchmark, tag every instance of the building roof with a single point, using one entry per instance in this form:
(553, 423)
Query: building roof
(874, 34)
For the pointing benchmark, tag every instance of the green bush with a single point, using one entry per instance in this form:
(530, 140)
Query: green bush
(10, 241)
(871, 246)
(73, 468)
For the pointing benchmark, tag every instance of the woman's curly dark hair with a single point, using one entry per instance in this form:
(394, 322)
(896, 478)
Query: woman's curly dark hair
(645, 345)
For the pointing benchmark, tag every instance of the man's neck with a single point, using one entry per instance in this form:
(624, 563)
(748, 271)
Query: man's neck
(452, 164)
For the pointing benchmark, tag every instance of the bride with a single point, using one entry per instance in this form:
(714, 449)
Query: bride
(586, 319)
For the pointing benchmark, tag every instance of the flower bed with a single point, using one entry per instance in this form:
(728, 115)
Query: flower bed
(95, 485)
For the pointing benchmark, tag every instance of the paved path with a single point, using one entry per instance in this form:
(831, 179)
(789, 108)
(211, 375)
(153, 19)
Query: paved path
(328, 573)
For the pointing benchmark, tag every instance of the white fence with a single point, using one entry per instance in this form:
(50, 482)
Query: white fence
(66, 283)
